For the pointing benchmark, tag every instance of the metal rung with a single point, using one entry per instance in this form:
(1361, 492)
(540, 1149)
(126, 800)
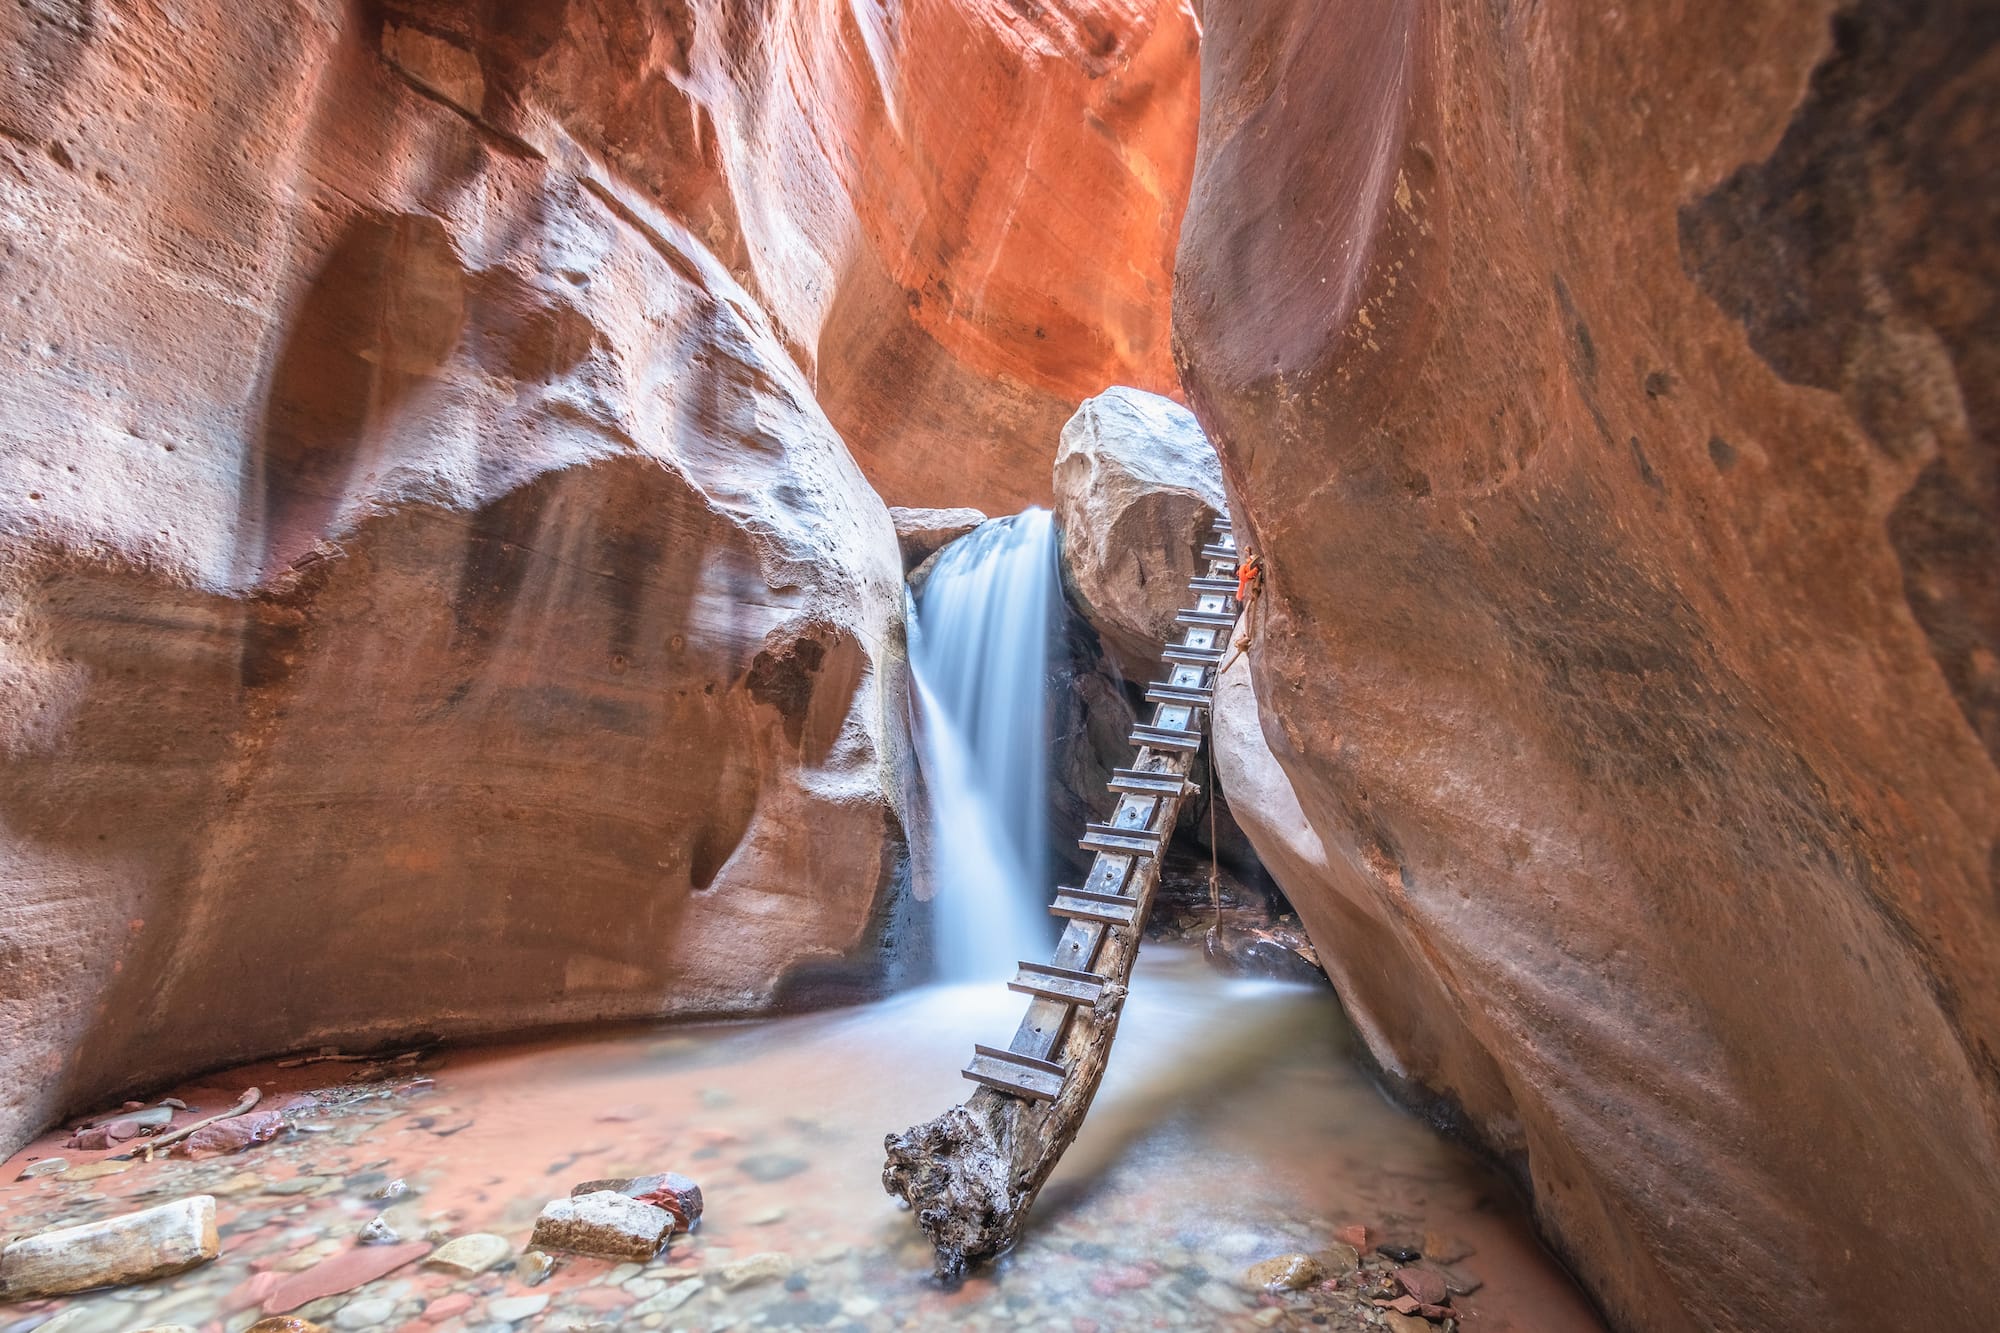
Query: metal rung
(1217, 551)
(1057, 983)
(1204, 583)
(1140, 782)
(1180, 652)
(1159, 738)
(1164, 692)
(1206, 619)
(1022, 1075)
(1120, 841)
(1112, 909)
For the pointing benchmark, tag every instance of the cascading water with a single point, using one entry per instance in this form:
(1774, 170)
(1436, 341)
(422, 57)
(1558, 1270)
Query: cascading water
(979, 651)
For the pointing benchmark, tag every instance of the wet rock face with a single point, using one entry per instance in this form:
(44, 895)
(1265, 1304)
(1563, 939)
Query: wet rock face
(1615, 421)
(438, 593)
(1137, 486)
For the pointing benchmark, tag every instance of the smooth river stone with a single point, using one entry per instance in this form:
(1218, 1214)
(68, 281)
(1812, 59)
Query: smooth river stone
(470, 1255)
(156, 1242)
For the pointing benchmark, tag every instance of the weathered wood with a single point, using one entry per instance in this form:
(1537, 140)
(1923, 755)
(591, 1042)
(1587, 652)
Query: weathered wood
(971, 1175)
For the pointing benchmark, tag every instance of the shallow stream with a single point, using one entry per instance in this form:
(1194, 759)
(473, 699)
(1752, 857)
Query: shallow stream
(1233, 1126)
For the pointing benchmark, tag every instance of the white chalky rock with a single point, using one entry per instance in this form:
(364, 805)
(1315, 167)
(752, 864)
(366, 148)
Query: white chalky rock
(470, 1255)
(765, 1267)
(606, 1224)
(157, 1242)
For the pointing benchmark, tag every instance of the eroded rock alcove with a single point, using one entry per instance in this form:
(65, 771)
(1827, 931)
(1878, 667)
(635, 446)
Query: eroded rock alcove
(448, 578)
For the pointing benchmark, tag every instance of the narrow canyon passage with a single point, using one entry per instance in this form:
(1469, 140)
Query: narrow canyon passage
(585, 586)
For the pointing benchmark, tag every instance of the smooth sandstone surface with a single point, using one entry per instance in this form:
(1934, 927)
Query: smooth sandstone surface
(922, 533)
(438, 592)
(1613, 398)
(1137, 488)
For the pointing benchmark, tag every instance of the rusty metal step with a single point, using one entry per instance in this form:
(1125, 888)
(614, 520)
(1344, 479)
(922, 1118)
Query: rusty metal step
(1057, 983)
(1160, 738)
(1182, 653)
(1022, 1075)
(1119, 841)
(1111, 909)
(1166, 692)
(1140, 782)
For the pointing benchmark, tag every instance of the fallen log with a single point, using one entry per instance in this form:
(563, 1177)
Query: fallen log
(971, 1175)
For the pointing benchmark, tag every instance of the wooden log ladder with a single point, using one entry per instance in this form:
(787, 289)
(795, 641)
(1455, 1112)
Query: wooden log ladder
(971, 1175)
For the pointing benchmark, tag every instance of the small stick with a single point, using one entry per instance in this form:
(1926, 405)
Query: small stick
(248, 1100)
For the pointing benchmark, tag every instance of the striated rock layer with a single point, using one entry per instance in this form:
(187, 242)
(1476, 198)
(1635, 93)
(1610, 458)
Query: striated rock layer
(438, 594)
(1613, 396)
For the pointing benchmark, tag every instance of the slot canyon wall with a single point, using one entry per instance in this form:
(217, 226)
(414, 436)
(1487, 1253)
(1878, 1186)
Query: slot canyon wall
(445, 580)
(1612, 392)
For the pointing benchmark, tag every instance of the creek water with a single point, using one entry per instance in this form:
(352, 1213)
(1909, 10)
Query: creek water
(980, 638)
(1233, 1125)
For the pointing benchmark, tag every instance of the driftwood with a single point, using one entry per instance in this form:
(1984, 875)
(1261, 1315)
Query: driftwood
(972, 1174)
(153, 1145)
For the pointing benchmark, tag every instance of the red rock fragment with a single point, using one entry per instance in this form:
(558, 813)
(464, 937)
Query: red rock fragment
(1357, 1236)
(447, 1307)
(234, 1134)
(343, 1272)
(1424, 1284)
(251, 1291)
(666, 1189)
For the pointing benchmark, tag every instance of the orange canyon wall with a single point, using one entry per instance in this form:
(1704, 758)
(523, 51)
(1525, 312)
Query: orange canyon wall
(445, 582)
(1612, 390)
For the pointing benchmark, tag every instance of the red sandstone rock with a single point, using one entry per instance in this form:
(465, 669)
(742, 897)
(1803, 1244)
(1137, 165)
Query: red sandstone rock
(234, 1134)
(435, 598)
(342, 1272)
(1613, 396)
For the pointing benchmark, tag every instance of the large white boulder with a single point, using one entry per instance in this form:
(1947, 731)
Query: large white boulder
(1137, 485)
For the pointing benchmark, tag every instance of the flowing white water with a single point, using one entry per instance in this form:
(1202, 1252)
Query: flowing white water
(979, 650)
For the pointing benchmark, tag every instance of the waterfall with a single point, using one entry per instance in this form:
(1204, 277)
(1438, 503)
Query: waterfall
(979, 652)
